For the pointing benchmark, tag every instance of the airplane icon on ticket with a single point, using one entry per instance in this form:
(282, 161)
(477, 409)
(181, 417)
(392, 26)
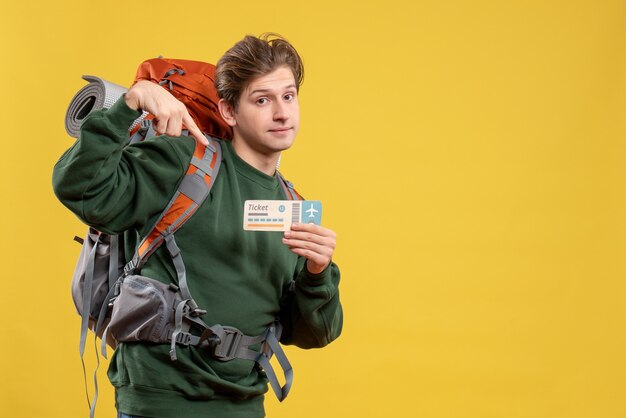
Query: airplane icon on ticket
(312, 211)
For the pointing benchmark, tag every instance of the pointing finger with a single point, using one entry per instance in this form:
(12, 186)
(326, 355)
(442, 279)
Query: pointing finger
(194, 130)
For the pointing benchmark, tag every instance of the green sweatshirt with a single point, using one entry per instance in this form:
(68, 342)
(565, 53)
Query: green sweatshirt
(241, 278)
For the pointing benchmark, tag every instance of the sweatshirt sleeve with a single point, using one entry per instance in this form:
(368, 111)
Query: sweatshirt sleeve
(311, 314)
(111, 186)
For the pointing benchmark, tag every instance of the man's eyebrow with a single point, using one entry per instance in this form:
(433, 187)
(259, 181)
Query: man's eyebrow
(291, 86)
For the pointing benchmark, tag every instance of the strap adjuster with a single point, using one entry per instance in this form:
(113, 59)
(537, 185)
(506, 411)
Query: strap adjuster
(164, 80)
(130, 267)
(183, 338)
(228, 345)
(144, 127)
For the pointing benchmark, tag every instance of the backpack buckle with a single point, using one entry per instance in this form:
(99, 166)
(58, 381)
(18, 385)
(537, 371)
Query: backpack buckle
(228, 345)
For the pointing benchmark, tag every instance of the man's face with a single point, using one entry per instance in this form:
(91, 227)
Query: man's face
(268, 115)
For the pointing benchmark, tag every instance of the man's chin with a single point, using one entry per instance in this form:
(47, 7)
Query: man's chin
(281, 145)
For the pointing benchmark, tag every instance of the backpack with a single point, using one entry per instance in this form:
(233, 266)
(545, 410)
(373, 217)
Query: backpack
(191, 82)
(106, 289)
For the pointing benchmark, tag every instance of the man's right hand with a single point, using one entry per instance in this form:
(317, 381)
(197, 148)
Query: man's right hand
(169, 113)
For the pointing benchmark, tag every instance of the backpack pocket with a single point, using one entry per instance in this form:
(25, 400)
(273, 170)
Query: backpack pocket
(100, 254)
(143, 311)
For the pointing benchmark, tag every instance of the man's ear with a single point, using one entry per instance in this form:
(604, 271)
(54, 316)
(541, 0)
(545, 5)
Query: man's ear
(227, 112)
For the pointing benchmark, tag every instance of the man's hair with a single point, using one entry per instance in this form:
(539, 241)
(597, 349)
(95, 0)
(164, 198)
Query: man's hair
(254, 57)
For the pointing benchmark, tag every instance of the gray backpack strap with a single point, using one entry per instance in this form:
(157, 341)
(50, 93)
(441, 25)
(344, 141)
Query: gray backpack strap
(288, 188)
(114, 267)
(179, 314)
(233, 344)
(188, 303)
(264, 360)
(114, 260)
(145, 131)
(113, 291)
(87, 292)
(179, 265)
(86, 309)
(92, 407)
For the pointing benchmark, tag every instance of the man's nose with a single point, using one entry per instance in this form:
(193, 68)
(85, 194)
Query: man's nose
(280, 111)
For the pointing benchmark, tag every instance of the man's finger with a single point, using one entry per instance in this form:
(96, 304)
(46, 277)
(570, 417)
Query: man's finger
(194, 131)
(174, 125)
(307, 245)
(311, 237)
(315, 229)
(161, 125)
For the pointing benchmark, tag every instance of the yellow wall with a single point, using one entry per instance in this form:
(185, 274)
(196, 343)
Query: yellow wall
(469, 154)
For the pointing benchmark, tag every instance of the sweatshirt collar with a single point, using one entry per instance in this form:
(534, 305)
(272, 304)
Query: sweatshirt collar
(248, 171)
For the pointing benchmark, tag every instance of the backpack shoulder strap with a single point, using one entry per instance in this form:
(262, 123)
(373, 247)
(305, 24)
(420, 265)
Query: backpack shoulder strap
(288, 188)
(192, 191)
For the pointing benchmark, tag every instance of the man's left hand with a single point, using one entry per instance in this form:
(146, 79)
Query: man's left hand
(314, 242)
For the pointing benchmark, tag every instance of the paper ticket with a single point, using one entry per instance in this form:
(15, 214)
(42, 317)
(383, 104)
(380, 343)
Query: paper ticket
(278, 215)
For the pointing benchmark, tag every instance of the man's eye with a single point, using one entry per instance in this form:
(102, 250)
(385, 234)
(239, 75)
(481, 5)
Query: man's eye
(261, 101)
(288, 97)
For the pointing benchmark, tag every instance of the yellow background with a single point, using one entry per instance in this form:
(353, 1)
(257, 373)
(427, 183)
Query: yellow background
(470, 155)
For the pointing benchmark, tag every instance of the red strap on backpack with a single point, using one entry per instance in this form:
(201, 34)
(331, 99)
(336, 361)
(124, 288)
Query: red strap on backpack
(191, 82)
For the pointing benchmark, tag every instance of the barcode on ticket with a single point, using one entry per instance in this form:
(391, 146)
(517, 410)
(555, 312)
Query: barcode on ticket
(295, 212)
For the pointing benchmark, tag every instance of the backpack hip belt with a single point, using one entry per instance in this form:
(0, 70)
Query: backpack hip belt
(172, 318)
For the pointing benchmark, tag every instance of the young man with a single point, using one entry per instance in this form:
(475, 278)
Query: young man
(242, 279)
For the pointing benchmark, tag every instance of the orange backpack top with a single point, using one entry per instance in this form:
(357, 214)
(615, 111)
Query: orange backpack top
(191, 82)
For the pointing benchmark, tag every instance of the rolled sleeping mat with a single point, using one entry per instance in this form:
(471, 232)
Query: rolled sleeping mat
(98, 94)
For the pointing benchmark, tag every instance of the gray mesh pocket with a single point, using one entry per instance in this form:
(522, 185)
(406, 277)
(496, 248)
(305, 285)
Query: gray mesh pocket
(143, 311)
